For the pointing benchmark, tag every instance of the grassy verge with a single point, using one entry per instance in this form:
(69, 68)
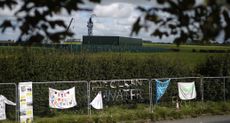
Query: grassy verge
(140, 112)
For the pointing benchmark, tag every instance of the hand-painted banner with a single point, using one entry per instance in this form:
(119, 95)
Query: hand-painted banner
(62, 99)
(187, 90)
(3, 102)
(97, 102)
(161, 88)
(26, 102)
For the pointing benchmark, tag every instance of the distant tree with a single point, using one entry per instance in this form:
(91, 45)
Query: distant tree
(188, 21)
(34, 18)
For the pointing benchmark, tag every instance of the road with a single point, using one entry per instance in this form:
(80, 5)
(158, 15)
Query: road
(203, 119)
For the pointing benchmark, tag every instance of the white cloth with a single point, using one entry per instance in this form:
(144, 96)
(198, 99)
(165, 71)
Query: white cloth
(62, 99)
(97, 102)
(3, 102)
(187, 90)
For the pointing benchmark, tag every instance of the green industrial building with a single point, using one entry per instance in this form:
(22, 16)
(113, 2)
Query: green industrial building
(111, 40)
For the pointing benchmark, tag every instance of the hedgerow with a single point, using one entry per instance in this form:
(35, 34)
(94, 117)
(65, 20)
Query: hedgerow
(37, 64)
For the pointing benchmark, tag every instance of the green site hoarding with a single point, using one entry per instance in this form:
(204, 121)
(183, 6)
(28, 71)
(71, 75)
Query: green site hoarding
(111, 40)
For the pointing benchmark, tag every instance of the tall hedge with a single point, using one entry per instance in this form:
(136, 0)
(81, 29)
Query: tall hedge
(35, 64)
(28, 65)
(216, 66)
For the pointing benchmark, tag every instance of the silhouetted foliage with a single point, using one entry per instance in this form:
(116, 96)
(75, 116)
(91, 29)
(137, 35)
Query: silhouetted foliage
(187, 21)
(34, 18)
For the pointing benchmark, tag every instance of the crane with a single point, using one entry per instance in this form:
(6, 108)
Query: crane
(69, 25)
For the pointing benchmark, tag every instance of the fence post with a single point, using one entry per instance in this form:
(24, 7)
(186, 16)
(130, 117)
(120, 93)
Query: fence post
(150, 96)
(17, 104)
(88, 97)
(224, 90)
(202, 88)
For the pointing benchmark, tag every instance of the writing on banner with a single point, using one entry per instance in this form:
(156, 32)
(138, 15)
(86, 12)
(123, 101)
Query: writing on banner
(120, 90)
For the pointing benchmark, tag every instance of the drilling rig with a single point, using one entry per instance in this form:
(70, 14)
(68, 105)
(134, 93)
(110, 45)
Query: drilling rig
(90, 25)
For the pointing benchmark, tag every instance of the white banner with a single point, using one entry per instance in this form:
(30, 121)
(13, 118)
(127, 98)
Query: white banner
(97, 102)
(26, 102)
(62, 99)
(187, 90)
(3, 102)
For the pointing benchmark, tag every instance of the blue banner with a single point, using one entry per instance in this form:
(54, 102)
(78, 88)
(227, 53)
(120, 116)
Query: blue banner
(161, 88)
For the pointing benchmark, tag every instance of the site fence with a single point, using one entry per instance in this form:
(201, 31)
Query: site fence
(124, 92)
(76, 48)
(9, 90)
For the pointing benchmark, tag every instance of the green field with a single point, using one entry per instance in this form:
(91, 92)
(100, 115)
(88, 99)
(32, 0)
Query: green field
(72, 42)
(188, 48)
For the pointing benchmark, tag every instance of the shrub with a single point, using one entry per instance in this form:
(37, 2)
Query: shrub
(215, 66)
(193, 50)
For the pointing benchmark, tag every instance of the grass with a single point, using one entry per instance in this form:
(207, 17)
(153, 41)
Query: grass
(72, 42)
(140, 113)
(188, 48)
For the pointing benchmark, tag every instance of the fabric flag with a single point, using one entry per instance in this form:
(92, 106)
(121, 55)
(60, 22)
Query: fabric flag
(161, 88)
(3, 102)
(97, 102)
(187, 91)
(62, 99)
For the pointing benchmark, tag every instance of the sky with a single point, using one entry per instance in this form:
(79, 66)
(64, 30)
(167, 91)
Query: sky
(113, 17)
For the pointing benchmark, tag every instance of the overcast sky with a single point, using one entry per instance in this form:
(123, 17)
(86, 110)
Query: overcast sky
(113, 17)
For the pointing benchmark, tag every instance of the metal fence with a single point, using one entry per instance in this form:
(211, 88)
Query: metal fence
(171, 95)
(219, 89)
(128, 92)
(41, 103)
(9, 90)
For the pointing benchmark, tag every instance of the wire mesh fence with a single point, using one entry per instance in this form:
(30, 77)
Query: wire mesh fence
(171, 95)
(9, 90)
(213, 89)
(227, 88)
(41, 97)
(122, 92)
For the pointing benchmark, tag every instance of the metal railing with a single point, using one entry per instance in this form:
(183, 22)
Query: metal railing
(126, 91)
(6, 90)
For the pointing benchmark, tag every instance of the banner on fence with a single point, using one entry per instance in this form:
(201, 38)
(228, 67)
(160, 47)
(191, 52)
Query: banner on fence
(161, 87)
(120, 90)
(62, 99)
(97, 102)
(26, 102)
(3, 102)
(187, 90)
